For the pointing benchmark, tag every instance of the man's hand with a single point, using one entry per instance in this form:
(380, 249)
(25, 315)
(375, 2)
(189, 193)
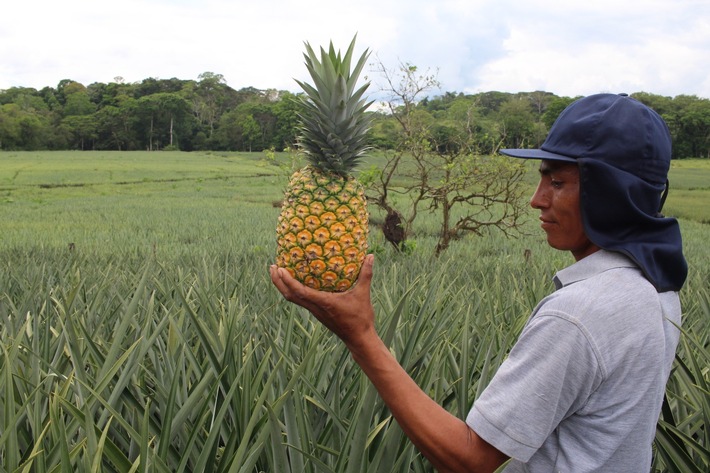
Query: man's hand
(349, 315)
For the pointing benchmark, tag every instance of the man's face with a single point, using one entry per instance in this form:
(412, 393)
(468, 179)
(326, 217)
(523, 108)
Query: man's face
(557, 198)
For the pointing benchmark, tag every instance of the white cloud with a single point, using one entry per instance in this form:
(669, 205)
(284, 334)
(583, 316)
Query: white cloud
(565, 47)
(640, 49)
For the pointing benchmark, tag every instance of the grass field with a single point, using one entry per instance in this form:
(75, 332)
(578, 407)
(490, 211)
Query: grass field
(140, 332)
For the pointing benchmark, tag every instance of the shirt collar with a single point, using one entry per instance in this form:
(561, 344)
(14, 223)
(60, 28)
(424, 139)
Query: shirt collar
(594, 264)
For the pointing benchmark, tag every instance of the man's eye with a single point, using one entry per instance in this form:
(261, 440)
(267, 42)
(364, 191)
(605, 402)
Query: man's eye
(555, 183)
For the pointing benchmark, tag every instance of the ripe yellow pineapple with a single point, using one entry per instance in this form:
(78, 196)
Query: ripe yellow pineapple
(323, 226)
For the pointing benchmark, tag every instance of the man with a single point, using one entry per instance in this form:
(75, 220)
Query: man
(582, 388)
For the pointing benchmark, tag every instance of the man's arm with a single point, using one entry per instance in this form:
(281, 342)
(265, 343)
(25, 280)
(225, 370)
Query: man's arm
(448, 443)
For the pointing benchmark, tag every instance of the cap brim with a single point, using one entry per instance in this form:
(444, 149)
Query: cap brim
(536, 154)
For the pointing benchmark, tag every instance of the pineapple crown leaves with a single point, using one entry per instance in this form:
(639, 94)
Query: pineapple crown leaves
(334, 124)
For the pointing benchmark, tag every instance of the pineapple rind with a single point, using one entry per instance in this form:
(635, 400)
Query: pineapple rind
(322, 230)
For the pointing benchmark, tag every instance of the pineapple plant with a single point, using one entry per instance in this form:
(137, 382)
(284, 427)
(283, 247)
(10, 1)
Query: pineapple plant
(323, 226)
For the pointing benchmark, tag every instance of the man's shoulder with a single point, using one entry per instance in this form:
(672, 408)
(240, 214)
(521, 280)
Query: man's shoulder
(612, 289)
(605, 277)
(616, 302)
(596, 264)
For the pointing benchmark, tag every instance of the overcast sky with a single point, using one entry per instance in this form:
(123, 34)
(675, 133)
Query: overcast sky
(567, 47)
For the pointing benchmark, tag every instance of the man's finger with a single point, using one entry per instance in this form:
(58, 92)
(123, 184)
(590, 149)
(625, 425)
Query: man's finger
(293, 290)
(280, 278)
(276, 279)
(366, 271)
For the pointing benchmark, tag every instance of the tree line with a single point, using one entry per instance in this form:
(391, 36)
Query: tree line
(207, 114)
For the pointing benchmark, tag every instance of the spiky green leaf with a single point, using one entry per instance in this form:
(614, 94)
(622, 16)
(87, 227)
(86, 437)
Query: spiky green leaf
(334, 123)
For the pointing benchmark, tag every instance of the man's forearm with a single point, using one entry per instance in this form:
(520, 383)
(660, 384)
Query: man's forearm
(445, 440)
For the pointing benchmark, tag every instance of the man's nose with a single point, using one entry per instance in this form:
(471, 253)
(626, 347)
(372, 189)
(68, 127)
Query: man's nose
(538, 199)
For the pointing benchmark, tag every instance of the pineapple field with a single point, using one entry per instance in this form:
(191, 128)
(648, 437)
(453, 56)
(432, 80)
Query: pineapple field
(140, 331)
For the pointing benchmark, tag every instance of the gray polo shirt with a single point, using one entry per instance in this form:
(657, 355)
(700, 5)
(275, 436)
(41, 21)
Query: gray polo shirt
(582, 388)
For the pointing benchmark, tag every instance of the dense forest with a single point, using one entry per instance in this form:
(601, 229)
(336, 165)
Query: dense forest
(207, 114)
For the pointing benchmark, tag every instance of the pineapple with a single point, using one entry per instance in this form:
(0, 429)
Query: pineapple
(323, 226)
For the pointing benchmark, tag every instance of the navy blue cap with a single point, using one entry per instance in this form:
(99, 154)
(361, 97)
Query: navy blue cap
(623, 149)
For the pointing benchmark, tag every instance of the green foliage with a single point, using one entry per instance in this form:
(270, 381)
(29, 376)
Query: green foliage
(517, 120)
(150, 115)
(207, 114)
(156, 342)
(523, 119)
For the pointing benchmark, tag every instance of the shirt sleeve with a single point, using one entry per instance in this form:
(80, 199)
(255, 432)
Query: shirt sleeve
(549, 374)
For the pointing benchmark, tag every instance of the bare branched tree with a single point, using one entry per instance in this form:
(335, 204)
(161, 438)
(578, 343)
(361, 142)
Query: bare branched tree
(437, 167)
